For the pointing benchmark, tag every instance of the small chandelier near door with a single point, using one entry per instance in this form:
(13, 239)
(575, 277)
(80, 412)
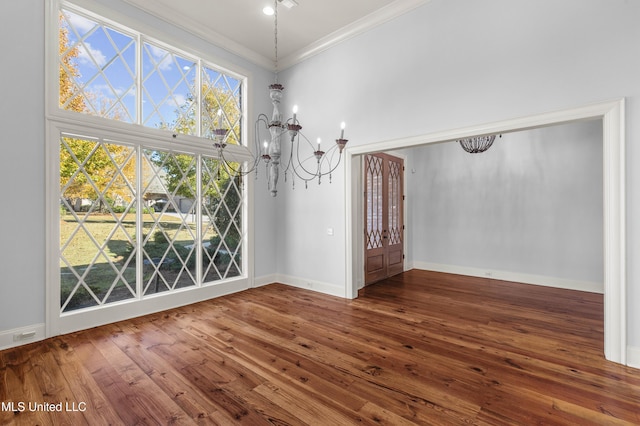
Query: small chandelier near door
(304, 160)
(477, 144)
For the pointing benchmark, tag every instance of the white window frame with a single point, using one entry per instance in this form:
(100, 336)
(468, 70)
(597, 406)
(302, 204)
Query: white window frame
(59, 121)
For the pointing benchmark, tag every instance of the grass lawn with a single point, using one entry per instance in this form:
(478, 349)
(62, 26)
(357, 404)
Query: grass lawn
(81, 249)
(99, 274)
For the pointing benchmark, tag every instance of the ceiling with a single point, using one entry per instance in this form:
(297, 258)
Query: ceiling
(241, 27)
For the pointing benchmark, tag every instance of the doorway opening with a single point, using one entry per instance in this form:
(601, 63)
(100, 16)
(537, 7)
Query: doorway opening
(612, 115)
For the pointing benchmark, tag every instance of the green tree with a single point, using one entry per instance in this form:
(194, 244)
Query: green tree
(219, 183)
(179, 168)
(70, 96)
(100, 162)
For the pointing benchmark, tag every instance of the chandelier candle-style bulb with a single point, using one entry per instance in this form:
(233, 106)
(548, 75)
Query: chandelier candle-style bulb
(295, 111)
(319, 153)
(265, 155)
(342, 142)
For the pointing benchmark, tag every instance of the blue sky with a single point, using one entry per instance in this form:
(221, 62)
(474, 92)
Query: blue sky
(106, 63)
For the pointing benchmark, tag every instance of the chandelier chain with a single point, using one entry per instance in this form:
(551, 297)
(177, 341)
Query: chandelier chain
(275, 37)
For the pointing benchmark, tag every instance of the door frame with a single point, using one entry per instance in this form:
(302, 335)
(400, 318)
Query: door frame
(612, 114)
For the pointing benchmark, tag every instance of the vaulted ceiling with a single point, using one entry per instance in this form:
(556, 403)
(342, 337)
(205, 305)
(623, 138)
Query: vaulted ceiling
(305, 29)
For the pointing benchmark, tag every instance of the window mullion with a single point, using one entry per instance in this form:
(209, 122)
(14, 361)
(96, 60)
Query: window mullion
(199, 98)
(139, 53)
(139, 225)
(199, 242)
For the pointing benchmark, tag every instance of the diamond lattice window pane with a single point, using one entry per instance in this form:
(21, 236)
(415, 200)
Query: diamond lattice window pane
(222, 231)
(374, 202)
(168, 90)
(221, 106)
(395, 202)
(169, 246)
(97, 68)
(97, 226)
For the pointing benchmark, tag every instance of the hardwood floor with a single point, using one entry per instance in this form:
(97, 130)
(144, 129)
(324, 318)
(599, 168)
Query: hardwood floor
(419, 348)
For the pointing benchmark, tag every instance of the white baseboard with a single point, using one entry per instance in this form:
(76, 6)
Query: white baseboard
(21, 336)
(541, 280)
(633, 356)
(264, 280)
(326, 288)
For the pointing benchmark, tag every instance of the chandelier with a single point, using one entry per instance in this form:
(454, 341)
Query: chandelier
(302, 160)
(477, 144)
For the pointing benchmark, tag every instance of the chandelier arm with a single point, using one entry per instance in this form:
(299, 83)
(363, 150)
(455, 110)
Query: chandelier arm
(325, 159)
(308, 176)
(314, 175)
(304, 178)
(237, 172)
(317, 175)
(329, 162)
(264, 119)
(308, 141)
(290, 161)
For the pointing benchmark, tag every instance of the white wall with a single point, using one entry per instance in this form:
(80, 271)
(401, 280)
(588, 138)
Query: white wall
(22, 221)
(22, 163)
(456, 63)
(530, 206)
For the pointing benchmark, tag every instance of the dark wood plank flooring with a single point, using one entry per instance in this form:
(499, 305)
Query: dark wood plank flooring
(419, 348)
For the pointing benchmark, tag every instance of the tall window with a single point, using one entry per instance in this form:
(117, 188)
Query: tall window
(173, 91)
(138, 218)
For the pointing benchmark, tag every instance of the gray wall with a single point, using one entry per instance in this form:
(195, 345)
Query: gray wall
(451, 64)
(22, 218)
(531, 204)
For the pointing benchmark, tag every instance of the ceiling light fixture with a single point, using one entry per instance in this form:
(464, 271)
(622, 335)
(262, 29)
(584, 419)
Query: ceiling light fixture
(477, 144)
(306, 162)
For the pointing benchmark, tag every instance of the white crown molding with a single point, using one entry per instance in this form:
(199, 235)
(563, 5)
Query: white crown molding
(180, 20)
(372, 20)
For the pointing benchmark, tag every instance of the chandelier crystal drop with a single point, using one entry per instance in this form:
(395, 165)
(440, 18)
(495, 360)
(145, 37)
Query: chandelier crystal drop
(301, 160)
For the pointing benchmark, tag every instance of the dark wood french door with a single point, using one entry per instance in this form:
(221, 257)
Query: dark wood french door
(384, 227)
